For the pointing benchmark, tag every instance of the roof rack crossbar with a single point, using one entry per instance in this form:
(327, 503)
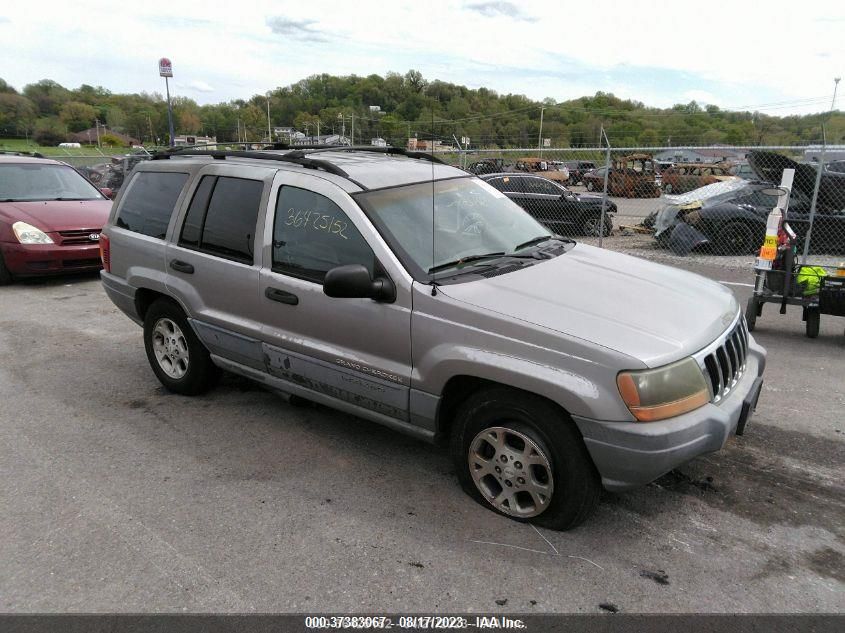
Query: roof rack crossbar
(374, 149)
(297, 158)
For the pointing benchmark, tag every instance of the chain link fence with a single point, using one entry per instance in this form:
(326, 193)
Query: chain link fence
(680, 202)
(669, 204)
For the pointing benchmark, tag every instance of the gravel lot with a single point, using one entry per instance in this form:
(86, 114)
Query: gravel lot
(120, 496)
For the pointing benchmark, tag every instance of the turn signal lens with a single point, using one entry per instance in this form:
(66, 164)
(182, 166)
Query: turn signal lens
(105, 252)
(665, 392)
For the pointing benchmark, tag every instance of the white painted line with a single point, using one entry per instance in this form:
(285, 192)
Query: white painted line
(736, 283)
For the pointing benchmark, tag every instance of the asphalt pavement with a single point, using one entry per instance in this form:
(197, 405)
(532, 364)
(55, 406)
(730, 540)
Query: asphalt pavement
(119, 496)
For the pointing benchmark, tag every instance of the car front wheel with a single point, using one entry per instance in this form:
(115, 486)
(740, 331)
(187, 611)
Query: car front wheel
(177, 357)
(522, 457)
(5, 275)
(590, 226)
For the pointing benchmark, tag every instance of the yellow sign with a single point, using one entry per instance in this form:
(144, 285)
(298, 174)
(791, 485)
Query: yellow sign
(771, 240)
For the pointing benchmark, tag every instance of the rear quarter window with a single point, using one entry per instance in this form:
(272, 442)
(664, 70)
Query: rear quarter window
(149, 203)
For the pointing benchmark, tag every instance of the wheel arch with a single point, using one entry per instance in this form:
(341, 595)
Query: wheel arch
(462, 386)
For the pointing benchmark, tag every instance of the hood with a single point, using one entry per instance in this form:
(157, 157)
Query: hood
(58, 215)
(769, 166)
(653, 313)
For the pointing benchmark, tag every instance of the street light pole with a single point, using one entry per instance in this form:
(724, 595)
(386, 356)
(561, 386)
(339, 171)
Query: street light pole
(540, 136)
(269, 133)
(169, 113)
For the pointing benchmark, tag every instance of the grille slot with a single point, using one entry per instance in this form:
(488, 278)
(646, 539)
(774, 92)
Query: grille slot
(495, 272)
(78, 236)
(725, 364)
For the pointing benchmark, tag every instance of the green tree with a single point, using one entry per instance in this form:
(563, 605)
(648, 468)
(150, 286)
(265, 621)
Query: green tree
(77, 116)
(49, 131)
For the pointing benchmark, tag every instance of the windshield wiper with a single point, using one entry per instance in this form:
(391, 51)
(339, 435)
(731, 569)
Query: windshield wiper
(541, 238)
(464, 260)
(67, 199)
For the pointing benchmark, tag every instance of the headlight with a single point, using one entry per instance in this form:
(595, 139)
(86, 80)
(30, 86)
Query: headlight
(28, 234)
(657, 394)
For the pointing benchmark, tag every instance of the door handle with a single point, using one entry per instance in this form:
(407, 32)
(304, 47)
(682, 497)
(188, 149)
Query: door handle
(182, 267)
(274, 294)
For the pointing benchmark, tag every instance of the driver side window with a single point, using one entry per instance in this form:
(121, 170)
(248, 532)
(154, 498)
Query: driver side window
(312, 235)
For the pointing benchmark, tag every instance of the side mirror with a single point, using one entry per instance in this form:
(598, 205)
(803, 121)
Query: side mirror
(353, 281)
(107, 192)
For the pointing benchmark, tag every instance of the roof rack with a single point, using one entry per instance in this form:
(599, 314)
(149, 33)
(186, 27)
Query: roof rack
(298, 158)
(371, 148)
(12, 152)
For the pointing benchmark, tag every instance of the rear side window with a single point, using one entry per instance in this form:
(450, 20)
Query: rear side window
(149, 203)
(222, 217)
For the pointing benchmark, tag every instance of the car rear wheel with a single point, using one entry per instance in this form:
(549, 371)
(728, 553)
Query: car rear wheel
(522, 457)
(736, 238)
(667, 188)
(177, 357)
(590, 186)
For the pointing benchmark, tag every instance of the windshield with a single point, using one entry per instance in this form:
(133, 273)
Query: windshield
(25, 182)
(470, 218)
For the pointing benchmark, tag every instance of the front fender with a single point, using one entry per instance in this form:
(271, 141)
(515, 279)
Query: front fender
(576, 392)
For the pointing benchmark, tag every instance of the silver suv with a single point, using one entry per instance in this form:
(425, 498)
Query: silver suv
(413, 294)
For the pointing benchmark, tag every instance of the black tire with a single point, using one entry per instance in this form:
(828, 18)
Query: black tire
(590, 186)
(736, 238)
(200, 374)
(752, 311)
(575, 481)
(813, 323)
(5, 275)
(667, 188)
(590, 226)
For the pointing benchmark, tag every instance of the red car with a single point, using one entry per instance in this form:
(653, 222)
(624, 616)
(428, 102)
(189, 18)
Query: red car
(50, 218)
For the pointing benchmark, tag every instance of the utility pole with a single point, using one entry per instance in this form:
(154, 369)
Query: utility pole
(540, 136)
(353, 128)
(269, 133)
(152, 136)
(318, 130)
(97, 125)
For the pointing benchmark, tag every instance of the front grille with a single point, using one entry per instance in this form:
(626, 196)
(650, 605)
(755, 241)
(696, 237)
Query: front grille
(725, 364)
(81, 263)
(80, 236)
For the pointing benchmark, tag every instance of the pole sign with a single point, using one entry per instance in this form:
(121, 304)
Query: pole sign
(165, 68)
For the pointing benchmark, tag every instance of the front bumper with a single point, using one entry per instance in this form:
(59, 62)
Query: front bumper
(630, 454)
(24, 260)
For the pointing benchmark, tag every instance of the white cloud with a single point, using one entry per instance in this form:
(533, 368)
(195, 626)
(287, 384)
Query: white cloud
(200, 86)
(702, 97)
(734, 52)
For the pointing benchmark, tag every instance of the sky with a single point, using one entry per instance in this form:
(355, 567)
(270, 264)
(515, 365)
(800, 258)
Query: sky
(777, 57)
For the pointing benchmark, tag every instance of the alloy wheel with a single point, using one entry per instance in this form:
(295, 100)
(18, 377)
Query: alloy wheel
(511, 471)
(170, 348)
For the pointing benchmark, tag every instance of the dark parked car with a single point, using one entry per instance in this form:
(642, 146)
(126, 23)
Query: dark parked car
(486, 166)
(554, 205)
(50, 218)
(594, 179)
(577, 169)
(729, 218)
